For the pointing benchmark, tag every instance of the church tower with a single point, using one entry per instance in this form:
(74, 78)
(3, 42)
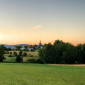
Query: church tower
(40, 44)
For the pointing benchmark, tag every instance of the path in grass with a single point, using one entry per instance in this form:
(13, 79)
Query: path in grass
(38, 74)
(81, 65)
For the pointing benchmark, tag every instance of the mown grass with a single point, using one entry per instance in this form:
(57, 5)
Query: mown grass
(38, 74)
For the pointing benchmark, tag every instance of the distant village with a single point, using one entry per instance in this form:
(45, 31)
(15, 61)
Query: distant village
(24, 47)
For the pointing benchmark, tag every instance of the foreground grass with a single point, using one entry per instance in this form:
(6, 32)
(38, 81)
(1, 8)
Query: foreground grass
(38, 74)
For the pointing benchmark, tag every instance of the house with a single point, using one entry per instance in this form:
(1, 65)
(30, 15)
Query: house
(23, 48)
(30, 47)
(12, 48)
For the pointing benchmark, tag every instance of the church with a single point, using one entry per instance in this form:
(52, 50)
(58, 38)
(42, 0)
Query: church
(40, 44)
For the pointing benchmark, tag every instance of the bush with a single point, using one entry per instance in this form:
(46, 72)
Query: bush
(32, 50)
(19, 59)
(24, 54)
(26, 50)
(39, 61)
(2, 53)
(10, 56)
(20, 53)
(30, 55)
(6, 52)
(10, 52)
(15, 53)
(32, 61)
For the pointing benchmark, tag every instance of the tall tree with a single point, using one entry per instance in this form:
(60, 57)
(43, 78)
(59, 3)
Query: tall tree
(18, 48)
(83, 49)
(69, 55)
(47, 54)
(79, 53)
(59, 49)
(2, 49)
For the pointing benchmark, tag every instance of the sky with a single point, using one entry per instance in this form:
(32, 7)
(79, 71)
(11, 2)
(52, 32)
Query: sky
(29, 21)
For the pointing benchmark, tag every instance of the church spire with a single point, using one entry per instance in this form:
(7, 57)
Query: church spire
(40, 41)
(40, 44)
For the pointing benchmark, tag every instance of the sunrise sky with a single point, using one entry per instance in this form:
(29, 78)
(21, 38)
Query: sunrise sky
(29, 21)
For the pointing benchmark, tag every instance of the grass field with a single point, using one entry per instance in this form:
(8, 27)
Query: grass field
(38, 74)
(33, 53)
(25, 59)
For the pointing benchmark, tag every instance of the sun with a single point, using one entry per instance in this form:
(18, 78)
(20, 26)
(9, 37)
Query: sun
(2, 36)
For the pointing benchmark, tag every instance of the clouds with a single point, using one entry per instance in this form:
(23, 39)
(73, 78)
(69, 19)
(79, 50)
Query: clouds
(36, 27)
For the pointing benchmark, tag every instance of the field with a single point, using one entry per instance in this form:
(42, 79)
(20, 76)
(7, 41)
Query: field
(33, 53)
(30, 55)
(38, 74)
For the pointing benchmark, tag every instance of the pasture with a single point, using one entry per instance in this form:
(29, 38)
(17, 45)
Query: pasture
(30, 55)
(28, 52)
(40, 74)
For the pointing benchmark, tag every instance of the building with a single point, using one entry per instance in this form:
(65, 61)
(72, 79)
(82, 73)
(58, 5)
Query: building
(40, 44)
(13, 48)
(23, 48)
(30, 47)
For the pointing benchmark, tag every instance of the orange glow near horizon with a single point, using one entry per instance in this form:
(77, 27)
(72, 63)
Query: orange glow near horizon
(14, 37)
(37, 42)
(33, 37)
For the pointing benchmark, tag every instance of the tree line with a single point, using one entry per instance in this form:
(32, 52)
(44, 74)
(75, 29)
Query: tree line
(62, 53)
(19, 57)
(57, 53)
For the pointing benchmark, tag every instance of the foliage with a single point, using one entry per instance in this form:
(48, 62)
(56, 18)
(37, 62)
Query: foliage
(24, 54)
(26, 49)
(10, 56)
(32, 50)
(60, 47)
(47, 54)
(83, 49)
(2, 49)
(8, 49)
(32, 61)
(10, 52)
(15, 53)
(79, 53)
(62, 53)
(30, 55)
(20, 53)
(69, 56)
(35, 47)
(6, 52)
(19, 59)
(18, 48)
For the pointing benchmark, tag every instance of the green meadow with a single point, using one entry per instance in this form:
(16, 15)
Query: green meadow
(40, 74)
(30, 55)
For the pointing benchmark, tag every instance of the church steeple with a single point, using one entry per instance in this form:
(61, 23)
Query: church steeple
(40, 44)
(40, 41)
